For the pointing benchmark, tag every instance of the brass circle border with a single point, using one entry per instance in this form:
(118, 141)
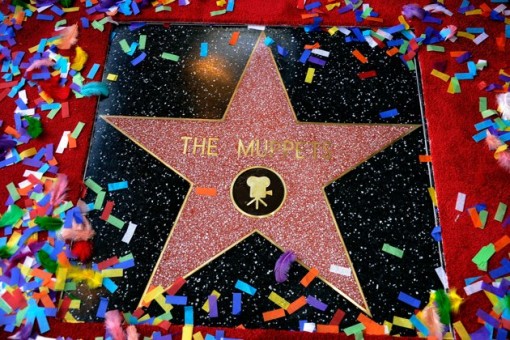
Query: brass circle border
(258, 216)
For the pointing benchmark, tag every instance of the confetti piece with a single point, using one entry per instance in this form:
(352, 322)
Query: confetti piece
(64, 141)
(116, 222)
(296, 305)
(245, 287)
(309, 75)
(93, 71)
(315, 303)
(187, 331)
(103, 306)
(176, 286)
(482, 257)
(112, 77)
(98, 204)
(234, 38)
(443, 76)
(213, 306)
(367, 74)
(420, 327)
(441, 273)
(338, 317)
(461, 201)
(331, 329)
(176, 300)
(389, 114)
(309, 277)
(278, 300)
(360, 56)
(345, 271)
(128, 235)
(77, 130)
(205, 191)
(273, 314)
(425, 158)
(198, 336)
(402, 322)
(393, 250)
(308, 327)
(204, 49)
(433, 48)
(236, 303)
(354, 329)
(411, 301)
(501, 243)
(371, 327)
(188, 315)
(89, 182)
(205, 307)
(138, 59)
(500, 213)
(170, 56)
(117, 186)
(461, 330)
(433, 195)
(475, 218)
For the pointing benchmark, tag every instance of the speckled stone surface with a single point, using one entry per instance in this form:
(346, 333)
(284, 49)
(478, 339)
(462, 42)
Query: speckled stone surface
(373, 204)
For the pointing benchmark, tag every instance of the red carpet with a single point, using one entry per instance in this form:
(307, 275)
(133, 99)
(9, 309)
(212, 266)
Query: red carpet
(460, 165)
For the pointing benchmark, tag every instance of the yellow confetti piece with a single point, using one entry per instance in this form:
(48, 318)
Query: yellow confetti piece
(24, 270)
(443, 76)
(466, 35)
(160, 299)
(46, 97)
(401, 322)
(433, 195)
(333, 30)
(75, 304)
(278, 300)
(61, 278)
(221, 3)
(474, 12)
(70, 318)
(71, 9)
(403, 21)
(329, 7)
(144, 318)
(13, 240)
(28, 153)
(153, 294)
(309, 75)
(205, 307)
(388, 325)
(187, 332)
(112, 272)
(492, 297)
(198, 336)
(461, 330)
(112, 77)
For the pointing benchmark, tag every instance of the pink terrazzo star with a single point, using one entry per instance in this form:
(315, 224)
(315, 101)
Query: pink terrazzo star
(307, 156)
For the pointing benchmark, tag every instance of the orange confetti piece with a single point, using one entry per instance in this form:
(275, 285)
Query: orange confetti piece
(308, 278)
(391, 52)
(234, 38)
(332, 329)
(371, 327)
(502, 243)
(425, 158)
(273, 314)
(311, 47)
(205, 191)
(12, 131)
(455, 54)
(475, 218)
(310, 15)
(375, 19)
(72, 142)
(296, 304)
(62, 260)
(367, 74)
(360, 56)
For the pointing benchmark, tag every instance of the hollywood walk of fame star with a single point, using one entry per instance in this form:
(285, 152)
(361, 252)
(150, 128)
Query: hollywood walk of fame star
(259, 130)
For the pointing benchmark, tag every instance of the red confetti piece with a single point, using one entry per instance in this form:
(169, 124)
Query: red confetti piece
(367, 74)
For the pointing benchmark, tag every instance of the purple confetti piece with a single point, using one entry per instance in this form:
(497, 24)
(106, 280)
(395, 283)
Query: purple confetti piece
(317, 61)
(213, 306)
(312, 301)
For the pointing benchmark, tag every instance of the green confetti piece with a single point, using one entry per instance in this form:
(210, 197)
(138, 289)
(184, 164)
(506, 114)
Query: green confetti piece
(64, 207)
(455, 84)
(434, 48)
(163, 9)
(500, 123)
(52, 113)
(11, 216)
(167, 316)
(97, 25)
(5, 307)
(77, 130)
(403, 47)
(60, 23)
(378, 36)
(98, 204)
(116, 222)
(482, 257)
(411, 65)
(500, 213)
(220, 12)
(358, 336)
(357, 328)
(20, 316)
(142, 41)
(392, 250)
(483, 217)
(70, 286)
(488, 113)
(36, 196)
(124, 45)
(89, 182)
(11, 188)
(170, 56)
(126, 257)
(482, 104)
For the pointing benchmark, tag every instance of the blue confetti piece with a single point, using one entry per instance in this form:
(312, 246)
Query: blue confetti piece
(436, 233)
(236, 303)
(103, 306)
(110, 285)
(93, 71)
(395, 29)
(502, 334)
(204, 49)
(230, 5)
(313, 5)
(45, 17)
(210, 337)
(85, 22)
(138, 59)
(188, 315)
(57, 10)
(419, 325)
(507, 31)
(411, 301)
(464, 76)
(268, 41)
(282, 51)
(388, 114)
(219, 335)
(176, 300)
(304, 57)
(117, 186)
(484, 125)
(246, 288)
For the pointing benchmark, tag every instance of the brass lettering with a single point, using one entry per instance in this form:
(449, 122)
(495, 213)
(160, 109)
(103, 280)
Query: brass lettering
(288, 145)
(198, 146)
(212, 147)
(327, 149)
(186, 139)
(243, 150)
(298, 150)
